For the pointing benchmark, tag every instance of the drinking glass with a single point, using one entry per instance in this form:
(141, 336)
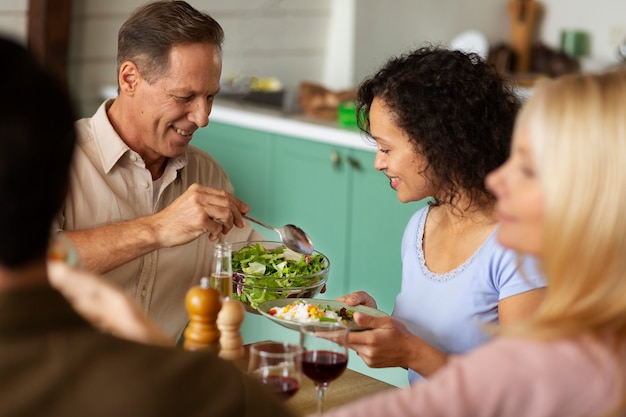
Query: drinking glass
(278, 366)
(324, 355)
(222, 270)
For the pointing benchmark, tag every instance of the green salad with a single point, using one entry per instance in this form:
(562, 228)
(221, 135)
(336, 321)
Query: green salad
(260, 273)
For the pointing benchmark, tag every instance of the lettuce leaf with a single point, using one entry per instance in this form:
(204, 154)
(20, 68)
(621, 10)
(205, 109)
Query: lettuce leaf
(261, 273)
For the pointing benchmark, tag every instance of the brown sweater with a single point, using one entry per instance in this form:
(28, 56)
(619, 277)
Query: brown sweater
(52, 363)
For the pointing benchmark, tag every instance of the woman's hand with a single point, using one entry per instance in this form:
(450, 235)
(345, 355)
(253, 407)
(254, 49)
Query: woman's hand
(390, 343)
(104, 305)
(358, 298)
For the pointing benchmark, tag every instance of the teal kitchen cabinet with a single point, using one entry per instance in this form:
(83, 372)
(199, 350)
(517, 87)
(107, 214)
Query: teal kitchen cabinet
(310, 189)
(335, 195)
(348, 209)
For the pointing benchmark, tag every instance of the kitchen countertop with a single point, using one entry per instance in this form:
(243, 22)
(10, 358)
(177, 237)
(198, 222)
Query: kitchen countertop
(298, 125)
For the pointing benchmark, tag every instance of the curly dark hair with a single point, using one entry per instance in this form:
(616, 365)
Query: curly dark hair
(456, 109)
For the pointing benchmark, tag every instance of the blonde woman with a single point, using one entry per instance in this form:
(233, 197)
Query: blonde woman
(562, 197)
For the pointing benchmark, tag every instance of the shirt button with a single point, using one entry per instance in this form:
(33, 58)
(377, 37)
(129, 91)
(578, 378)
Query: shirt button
(133, 158)
(145, 185)
(144, 292)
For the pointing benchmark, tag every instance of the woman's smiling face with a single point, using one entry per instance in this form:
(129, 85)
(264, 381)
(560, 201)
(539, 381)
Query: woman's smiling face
(396, 155)
(520, 198)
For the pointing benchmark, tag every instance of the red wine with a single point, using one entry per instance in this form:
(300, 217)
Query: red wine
(284, 386)
(323, 365)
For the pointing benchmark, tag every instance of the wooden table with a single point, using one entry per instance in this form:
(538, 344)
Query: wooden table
(350, 386)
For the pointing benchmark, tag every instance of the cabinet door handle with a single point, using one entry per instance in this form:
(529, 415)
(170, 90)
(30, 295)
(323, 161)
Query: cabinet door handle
(354, 163)
(335, 159)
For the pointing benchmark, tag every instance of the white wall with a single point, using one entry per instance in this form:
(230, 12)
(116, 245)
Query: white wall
(285, 39)
(387, 28)
(14, 19)
(604, 20)
(317, 40)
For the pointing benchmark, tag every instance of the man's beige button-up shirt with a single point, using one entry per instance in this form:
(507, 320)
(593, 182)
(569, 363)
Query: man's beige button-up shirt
(110, 183)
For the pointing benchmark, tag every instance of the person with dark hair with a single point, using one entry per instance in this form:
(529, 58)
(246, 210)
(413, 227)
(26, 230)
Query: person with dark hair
(52, 362)
(144, 206)
(442, 120)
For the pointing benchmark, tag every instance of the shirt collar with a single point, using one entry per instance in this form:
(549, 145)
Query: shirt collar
(114, 148)
(111, 146)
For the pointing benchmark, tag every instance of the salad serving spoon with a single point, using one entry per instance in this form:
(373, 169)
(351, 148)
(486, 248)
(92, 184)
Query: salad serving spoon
(292, 236)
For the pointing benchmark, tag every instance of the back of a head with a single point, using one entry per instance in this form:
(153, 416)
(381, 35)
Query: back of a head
(154, 28)
(37, 139)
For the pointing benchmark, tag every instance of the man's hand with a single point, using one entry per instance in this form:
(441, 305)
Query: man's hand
(198, 210)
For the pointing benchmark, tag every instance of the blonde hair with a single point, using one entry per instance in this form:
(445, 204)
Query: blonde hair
(577, 125)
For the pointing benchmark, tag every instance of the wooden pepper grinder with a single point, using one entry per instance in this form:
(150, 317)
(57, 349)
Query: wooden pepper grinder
(229, 322)
(203, 304)
(523, 15)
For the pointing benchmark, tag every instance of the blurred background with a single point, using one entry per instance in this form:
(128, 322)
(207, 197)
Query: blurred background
(331, 42)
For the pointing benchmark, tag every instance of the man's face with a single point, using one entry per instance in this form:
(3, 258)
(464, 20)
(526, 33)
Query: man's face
(168, 111)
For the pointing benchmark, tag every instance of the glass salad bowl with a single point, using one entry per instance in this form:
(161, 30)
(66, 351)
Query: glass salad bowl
(264, 271)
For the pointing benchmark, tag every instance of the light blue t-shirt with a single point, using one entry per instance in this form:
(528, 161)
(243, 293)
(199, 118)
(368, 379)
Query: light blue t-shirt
(448, 310)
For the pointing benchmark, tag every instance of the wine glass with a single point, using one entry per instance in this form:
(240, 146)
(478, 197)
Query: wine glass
(278, 366)
(324, 354)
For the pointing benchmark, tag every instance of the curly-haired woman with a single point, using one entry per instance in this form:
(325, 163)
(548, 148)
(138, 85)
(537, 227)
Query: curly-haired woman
(442, 120)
